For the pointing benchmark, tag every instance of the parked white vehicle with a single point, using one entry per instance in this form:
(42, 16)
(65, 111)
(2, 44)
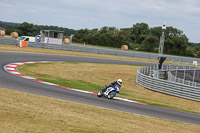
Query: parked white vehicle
(27, 38)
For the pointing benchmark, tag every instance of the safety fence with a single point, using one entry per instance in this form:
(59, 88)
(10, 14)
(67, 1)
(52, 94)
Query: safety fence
(175, 88)
(185, 76)
(77, 48)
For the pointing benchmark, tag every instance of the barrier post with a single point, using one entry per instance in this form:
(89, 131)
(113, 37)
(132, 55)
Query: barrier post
(194, 77)
(20, 43)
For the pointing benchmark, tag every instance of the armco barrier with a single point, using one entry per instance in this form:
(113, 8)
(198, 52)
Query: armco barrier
(167, 87)
(135, 54)
(86, 49)
(7, 41)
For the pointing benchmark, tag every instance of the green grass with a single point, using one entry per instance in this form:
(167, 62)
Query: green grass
(82, 85)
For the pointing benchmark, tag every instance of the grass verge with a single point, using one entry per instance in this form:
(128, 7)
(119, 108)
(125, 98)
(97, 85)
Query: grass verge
(91, 76)
(82, 85)
(26, 113)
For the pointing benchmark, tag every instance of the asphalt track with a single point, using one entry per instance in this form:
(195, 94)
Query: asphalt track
(13, 82)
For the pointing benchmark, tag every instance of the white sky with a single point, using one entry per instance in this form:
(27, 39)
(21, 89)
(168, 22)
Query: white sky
(81, 14)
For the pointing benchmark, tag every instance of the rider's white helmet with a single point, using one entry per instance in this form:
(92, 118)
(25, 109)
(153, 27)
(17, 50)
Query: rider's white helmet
(119, 81)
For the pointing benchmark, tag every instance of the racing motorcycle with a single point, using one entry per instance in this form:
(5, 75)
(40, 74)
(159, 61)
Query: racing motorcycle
(109, 93)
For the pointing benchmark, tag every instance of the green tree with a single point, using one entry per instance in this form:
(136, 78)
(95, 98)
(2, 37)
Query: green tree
(156, 31)
(181, 44)
(149, 43)
(190, 51)
(139, 32)
(169, 46)
(103, 30)
(26, 29)
(9, 30)
(197, 51)
(176, 42)
(80, 34)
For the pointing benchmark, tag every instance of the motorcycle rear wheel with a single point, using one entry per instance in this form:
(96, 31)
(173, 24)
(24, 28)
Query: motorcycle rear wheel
(111, 95)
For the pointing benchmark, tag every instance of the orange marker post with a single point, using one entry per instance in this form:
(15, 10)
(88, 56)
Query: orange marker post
(24, 44)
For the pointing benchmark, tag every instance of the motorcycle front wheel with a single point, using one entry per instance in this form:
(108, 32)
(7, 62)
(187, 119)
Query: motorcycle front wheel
(100, 93)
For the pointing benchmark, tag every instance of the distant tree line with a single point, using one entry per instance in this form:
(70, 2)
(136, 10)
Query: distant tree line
(30, 29)
(106, 36)
(5, 24)
(139, 37)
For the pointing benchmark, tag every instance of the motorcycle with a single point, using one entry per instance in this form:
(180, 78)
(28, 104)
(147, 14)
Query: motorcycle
(109, 93)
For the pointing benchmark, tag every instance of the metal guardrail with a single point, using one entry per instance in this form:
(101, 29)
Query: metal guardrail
(8, 41)
(135, 54)
(165, 86)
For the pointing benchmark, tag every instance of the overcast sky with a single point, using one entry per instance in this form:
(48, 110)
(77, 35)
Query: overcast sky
(81, 14)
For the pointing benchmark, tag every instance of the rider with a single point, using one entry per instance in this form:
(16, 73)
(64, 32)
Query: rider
(118, 83)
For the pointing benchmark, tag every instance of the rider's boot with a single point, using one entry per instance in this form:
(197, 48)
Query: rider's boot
(103, 89)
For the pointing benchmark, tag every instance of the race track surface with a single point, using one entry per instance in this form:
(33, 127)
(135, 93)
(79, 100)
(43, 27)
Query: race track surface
(10, 81)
